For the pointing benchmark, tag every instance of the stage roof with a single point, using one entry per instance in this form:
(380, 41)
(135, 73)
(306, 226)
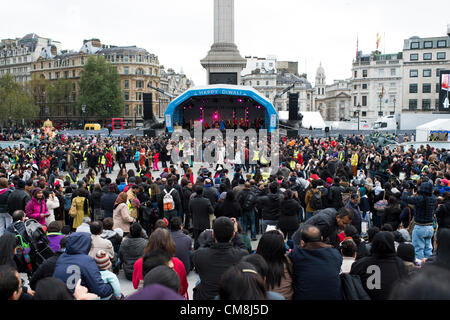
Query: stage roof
(222, 89)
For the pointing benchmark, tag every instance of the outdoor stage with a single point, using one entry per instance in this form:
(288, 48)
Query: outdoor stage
(216, 103)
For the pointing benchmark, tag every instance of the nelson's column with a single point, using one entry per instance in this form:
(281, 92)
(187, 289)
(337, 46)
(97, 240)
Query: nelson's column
(223, 63)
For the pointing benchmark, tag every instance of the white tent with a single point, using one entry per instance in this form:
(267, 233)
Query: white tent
(423, 131)
(313, 119)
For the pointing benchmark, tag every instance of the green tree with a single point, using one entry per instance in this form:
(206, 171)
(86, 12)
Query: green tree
(100, 88)
(16, 102)
(58, 96)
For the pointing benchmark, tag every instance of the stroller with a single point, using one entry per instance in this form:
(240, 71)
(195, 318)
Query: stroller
(33, 247)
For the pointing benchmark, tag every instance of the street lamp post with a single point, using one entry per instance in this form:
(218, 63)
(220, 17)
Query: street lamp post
(381, 97)
(359, 111)
(83, 110)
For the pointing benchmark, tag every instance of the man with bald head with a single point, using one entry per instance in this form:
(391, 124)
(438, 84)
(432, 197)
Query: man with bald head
(317, 266)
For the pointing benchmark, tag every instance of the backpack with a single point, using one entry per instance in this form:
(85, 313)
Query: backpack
(352, 288)
(168, 203)
(249, 202)
(316, 201)
(67, 201)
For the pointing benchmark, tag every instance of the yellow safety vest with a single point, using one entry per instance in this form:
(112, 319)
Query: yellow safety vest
(181, 146)
(84, 156)
(265, 176)
(102, 160)
(255, 155)
(71, 180)
(354, 160)
(341, 156)
(295, 154)
(292, 165)
(424, 168)
(264, 160)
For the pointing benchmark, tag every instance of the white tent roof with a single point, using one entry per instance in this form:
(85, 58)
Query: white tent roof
(438, 124)
(313, 119)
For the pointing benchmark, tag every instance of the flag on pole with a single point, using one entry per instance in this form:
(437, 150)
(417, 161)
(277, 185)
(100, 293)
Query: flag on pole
(378, 40)
(357, 44)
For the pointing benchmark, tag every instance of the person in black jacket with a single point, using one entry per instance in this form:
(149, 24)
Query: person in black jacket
(271, 206)
(335, 194)
(288, 221)
(392, 213)
(5, 212)
(380, 271)
(200, 209)
(247, 201)
(443, 212)
(229, 208)
(107, 201)
(19, 198)
(187, 192)
(212, 262)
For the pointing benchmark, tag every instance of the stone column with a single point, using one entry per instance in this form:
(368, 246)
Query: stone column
(223, 21)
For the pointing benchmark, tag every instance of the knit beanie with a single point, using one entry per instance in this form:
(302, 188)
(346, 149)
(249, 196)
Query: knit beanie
(406, 252)
(102, 260)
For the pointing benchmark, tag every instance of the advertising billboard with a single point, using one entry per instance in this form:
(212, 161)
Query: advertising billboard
(444, 88)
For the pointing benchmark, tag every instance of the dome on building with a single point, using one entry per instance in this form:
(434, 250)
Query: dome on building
(320, 71)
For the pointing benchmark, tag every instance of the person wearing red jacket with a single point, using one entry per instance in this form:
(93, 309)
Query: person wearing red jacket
(109, 161)
(155, 161)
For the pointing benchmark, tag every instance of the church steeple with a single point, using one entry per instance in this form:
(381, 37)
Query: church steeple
(320, 81)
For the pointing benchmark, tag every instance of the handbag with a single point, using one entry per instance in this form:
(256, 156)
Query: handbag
(73, 210)
(381, 205)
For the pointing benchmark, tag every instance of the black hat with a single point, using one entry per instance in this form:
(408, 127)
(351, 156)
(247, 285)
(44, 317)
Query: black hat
(21, 184)
(406, 252)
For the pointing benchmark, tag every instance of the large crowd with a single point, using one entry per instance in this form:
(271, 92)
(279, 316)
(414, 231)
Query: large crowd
(339, 219)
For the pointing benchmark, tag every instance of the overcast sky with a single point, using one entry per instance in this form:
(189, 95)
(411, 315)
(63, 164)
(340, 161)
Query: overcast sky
(180, 32)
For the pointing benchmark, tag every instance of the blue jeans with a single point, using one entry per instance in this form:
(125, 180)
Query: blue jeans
(244, 222)
(266, 223)
(421, 240)
(308, 215)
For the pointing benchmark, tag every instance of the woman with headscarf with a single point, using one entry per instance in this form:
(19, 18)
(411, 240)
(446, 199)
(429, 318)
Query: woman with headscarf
(380, 271)
(37, 207)
(121, 214)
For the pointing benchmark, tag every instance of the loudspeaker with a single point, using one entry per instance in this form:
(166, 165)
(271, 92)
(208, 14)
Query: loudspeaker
(148, 106)
(293, 106)
(150, 133)
(292, 133)
(327, 129)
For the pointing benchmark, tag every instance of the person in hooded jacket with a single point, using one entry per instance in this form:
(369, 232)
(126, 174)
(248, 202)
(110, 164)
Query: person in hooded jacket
(380, 271)
(75, 264)
(131, 249)
(425, 205)
(37, 207)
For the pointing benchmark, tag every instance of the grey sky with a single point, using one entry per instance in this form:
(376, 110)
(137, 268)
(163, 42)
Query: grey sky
(180, 32)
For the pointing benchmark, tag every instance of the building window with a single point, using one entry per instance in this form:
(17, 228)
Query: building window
(42, 65)
(427, 56)
(356, 74)
(442, 43)
(427, 72)
(139, 84)
(414, 57)
(127, 110)
(267, 95)
(438, 87)
(150, 71)
(354, 101)
(364, 101)
(381, 71)
(66, 74)
(438, 72)
(441, 55)
(413, 88)
(257, 83)
(412, 104)
(50, 76)
(393, 72)
(125, 70)
(364, 73)
(323, 92)
(73, 73)
(139, 71)
(393, 85)
(354, 87)
(267, 83)
(428, 44)
(82, 60)
(127, 95)
(426, 88)
(414, 73)
(138, 96)
(364, 85)
(57, 75)
(426, 104)
(318, 91)
(126, 84)
(364, 113)
(414, 45)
